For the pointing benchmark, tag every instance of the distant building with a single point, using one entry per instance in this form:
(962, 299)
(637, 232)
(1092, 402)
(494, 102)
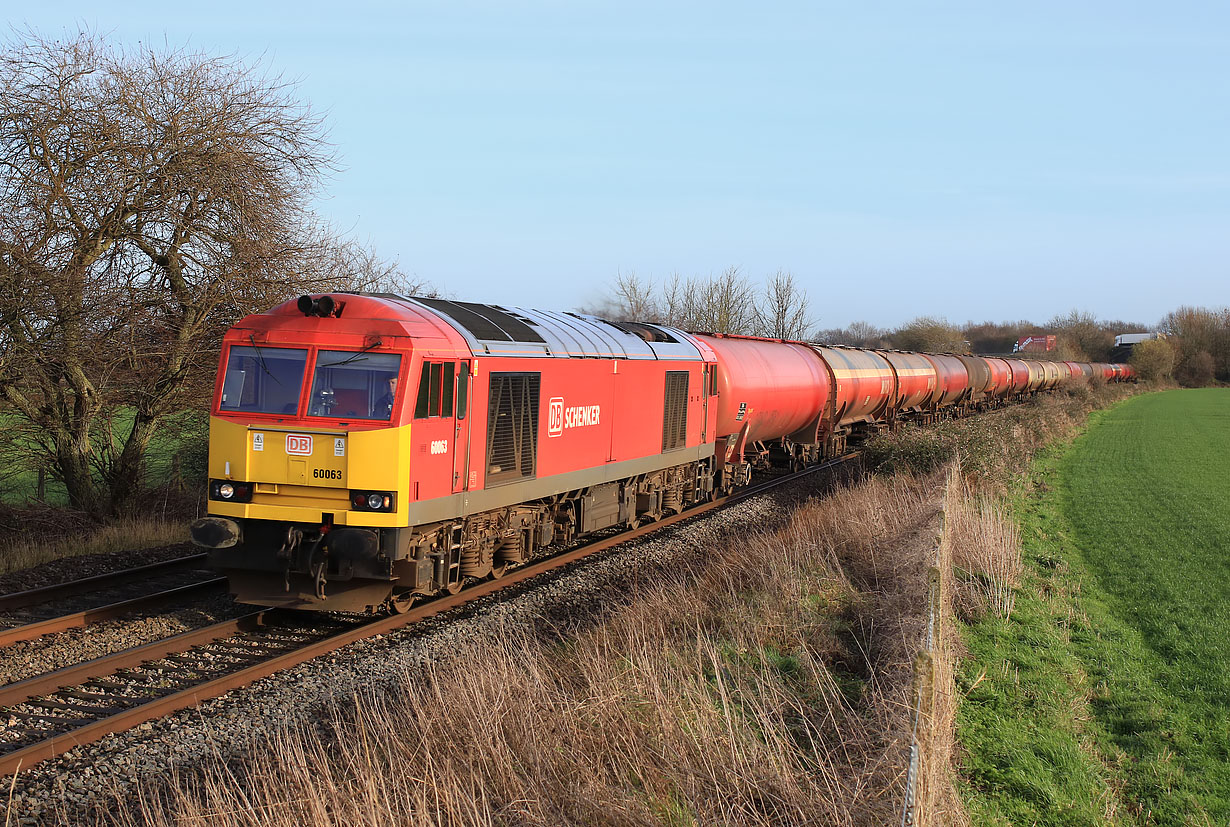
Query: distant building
(1039, 343)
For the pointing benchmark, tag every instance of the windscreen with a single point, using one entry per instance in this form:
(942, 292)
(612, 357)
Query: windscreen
(263, 380)
(354, 385)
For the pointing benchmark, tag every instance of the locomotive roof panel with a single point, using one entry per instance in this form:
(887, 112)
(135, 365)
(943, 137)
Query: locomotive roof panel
(488, 329)
(494, 330)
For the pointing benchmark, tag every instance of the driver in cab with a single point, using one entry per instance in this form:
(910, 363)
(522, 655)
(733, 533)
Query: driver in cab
(383, 408)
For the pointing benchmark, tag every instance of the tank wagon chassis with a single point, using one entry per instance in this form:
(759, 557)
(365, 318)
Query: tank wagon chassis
(366, 450)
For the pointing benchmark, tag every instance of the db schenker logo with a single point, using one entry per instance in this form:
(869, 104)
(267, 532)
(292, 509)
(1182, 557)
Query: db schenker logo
(559, 417)
(299, 445)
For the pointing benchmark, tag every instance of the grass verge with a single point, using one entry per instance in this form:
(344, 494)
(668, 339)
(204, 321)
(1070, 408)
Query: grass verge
(769, 682)
(74, 535)
(1103, 698)
(765, 682)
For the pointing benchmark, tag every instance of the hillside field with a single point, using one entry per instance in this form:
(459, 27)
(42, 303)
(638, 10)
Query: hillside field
(1105, 697)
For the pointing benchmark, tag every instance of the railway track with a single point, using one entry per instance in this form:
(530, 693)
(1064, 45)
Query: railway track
(29, 615)
(49, 714)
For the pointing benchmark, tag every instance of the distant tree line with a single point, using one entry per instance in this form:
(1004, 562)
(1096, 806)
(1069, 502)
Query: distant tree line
(1194, 348)
(1079, 336)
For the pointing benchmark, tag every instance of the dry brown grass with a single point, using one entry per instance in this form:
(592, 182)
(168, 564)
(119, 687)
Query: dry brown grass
(938, 802)
(769, 682)
(985, 546)
(73, 540)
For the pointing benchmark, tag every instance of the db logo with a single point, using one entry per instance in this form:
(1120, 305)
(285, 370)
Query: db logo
(555, 417)
(299, 445)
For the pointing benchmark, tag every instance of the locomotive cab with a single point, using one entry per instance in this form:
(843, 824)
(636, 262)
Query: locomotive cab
(310, 458)
(366, 449)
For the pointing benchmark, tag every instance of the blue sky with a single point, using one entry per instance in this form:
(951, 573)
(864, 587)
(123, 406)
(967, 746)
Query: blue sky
(971, 160)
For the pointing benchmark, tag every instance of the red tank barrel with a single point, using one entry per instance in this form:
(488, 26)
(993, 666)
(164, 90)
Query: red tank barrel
(776, 388)
(863, 384)
(952, 379)
(915, 378)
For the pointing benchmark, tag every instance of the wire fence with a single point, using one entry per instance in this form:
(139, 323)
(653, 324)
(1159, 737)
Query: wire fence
(924, 687)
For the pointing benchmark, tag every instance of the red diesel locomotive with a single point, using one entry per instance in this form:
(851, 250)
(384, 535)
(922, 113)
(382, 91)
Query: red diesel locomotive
(365, 449)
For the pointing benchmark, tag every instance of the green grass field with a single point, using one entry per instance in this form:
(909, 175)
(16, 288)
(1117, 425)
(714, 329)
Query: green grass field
(1106, 697)
(184, 434)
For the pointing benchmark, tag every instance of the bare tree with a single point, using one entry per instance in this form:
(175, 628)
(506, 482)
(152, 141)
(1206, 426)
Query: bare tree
(718, 304)
(673, 304)
(146, 200)
(1081, 336)
(783, 311)
(634, 299)
(725, 304)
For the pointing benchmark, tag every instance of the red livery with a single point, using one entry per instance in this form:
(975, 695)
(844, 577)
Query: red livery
(365, 449)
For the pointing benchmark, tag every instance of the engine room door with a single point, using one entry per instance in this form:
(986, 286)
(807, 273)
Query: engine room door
(461, 434)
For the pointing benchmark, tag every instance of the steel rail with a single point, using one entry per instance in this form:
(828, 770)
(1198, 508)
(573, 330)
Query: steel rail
(45, 594)
(14, 693)
(77, 620)
(25, 757)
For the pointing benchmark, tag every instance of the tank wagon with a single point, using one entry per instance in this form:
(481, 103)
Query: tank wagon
(369, 448)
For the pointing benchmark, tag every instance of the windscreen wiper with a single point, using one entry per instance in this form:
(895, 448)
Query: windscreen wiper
(261, 359)
(355, 358)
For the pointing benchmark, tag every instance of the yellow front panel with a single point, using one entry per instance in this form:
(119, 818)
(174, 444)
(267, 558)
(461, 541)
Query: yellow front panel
(302, 473)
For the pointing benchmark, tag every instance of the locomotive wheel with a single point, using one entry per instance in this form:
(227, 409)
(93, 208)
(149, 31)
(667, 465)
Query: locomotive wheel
(452, 588)
(497, 570)
(401, 603)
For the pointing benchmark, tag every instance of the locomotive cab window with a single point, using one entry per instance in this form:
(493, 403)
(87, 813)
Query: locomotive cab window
(262, 380)
(354, 385)
(436, 385)
(463, 389)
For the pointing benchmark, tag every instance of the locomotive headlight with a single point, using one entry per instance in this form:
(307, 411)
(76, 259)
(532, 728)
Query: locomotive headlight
(372, 501)
(238, 492)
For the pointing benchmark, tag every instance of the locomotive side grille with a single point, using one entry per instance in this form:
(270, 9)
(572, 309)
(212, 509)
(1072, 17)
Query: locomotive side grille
(512, 427)
(675, 416)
